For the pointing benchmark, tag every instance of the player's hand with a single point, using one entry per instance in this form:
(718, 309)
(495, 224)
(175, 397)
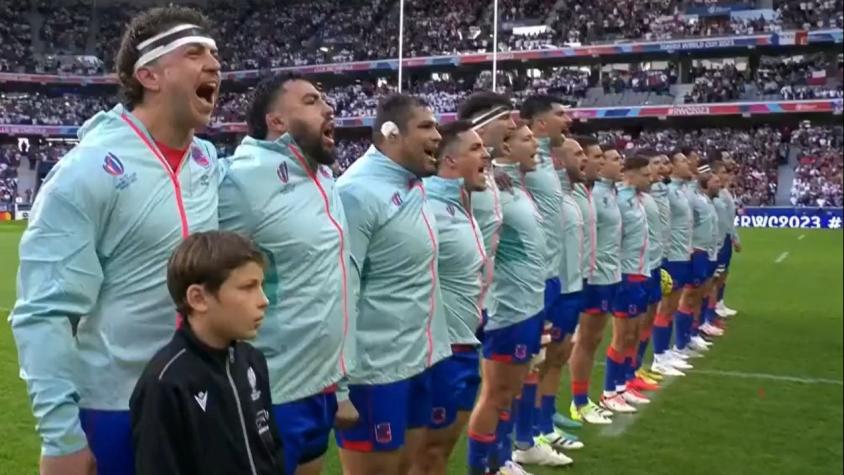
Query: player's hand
(77, 463)
(503, 181)
(347, 416)
(737, 246)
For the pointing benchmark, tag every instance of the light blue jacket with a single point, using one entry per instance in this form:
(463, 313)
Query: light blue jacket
(608, 242)
(583, 196)
(294, 215)
(727, 215)
(93, 305)
(659, 192)
(519, 284)
(705, 219)
(680, 249)
(571, 265)
(656, 251)
(401, 329)
(461, 258)
(486, 207)
(634, 232)
(544, 187)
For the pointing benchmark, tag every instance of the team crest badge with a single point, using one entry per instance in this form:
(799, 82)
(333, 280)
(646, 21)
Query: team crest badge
(450, 209)
(438, 415)
(521, 352)
(383, 433)
(283, 173)
(396, 199)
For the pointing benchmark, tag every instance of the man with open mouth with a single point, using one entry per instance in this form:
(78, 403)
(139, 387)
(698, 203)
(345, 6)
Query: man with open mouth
(401, 329)
(93, 305)
(279, 190)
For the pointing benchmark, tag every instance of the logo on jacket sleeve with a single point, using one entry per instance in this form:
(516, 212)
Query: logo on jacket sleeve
(198, 156)
(112, 165)
(450, 209)
(383, 433)
(396, 199)
(253, 383)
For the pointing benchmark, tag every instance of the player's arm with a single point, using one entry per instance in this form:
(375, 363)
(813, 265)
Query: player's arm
(59, 280)
(235, 211)
(733, 230)
(157, 431)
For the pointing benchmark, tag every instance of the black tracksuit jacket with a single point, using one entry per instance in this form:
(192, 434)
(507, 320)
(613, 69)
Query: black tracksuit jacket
(197, 410)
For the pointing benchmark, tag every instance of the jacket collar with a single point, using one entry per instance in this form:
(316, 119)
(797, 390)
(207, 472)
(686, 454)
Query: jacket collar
(449, 190)
(284, 145)
(513, 171)
(208, 353)
(386, 164)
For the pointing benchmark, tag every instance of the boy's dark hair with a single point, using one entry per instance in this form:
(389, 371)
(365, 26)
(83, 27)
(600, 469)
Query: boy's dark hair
(636, 162)
(142, 27)
(538, 104)
(585, 141)
(264, 95)
(207, 259)
(481, 102)
(396, 108)
(450, 133)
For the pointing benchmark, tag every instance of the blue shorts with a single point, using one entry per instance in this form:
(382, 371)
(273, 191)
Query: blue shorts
(702, 268)
(655, 286)
(515, 343)
(725, 255)
(109, 436)
(631, 299)
(680, 271)
(386, 412)
(598, 299)
(553, 289)
(304, 426)
(454, 385)
(566, 315)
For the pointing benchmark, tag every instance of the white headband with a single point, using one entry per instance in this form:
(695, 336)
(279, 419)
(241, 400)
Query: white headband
(194, 34)
(489, 116)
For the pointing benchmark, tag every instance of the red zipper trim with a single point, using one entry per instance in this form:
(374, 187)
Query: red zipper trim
(174, 178)
(432, 266)
(312, 176)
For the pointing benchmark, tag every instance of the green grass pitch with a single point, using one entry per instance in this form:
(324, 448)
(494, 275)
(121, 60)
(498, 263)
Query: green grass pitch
(768, 398)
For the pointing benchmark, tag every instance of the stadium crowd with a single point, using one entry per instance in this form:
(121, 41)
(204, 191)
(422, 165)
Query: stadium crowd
(757, 151)
(10, 160)
(723, 84)
(257, 34)
(818, 173)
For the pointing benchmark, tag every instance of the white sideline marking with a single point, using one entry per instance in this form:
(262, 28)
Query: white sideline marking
(781, 257)
(622, 422)
(769, 377)
(801, 237)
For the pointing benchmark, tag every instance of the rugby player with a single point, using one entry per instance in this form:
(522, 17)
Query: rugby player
(511, 335)
(726, 217)
(283, 165)
(667, 361)
(703, 260)
(630, 302)
(401, 330)
(589, 330)
(461, 163)
(547, 118)
(657, 210)
(93, 306)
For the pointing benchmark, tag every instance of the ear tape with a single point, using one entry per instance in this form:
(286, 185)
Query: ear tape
(389, 129)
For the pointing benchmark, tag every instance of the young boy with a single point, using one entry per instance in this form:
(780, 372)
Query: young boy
(202, 405)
